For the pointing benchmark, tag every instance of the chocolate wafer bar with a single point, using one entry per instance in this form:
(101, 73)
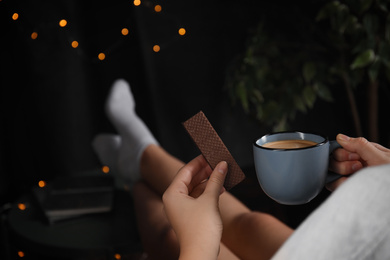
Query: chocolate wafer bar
(212, 148)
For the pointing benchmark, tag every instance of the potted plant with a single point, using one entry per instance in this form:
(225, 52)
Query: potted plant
(346, 44)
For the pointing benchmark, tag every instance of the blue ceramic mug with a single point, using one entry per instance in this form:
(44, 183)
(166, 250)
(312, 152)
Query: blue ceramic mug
(292, 167)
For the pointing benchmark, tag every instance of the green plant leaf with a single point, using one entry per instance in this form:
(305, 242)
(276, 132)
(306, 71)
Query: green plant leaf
(300, 104)
(363, 59)
(242, 95)
(259, 113)
(281, 124)
(258, 96)
(309, 96)
(323, 91)
(309, 71)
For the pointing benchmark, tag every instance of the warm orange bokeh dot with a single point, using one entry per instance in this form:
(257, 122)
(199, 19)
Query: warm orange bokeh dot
(117, 256)
(75, 44)
(63, 23)
(156, 48)
(20, 253)
(41, 184)
(182, 31)
(101, 56)
(157, 8)
(34, 35)
(137, 2)
(22, 206)
(15, 16)
(105, 169)
(125, 31)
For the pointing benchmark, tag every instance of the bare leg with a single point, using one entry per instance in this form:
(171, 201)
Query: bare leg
(157, 236)
(249, 235)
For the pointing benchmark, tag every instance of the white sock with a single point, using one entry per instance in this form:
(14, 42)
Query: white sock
(135, 135)
(106, 146)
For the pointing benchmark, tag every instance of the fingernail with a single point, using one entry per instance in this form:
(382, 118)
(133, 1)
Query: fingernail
(344, 137)
(353, 157)
(356, 166)
(222, 167)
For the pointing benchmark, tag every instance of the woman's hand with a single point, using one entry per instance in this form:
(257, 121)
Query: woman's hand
(355, 154)
(191, 205)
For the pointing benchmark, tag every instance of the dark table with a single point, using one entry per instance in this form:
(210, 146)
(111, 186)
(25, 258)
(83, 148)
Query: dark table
(94, 236)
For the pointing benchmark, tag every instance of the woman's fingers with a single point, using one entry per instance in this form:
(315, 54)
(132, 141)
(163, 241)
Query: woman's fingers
(344, 167)
(217, 178)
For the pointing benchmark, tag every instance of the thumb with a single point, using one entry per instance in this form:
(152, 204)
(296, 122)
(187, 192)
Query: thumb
(217, 178)
(366, 150)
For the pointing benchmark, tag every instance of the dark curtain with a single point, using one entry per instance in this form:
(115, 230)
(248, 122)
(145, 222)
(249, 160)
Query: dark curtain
(52, 95)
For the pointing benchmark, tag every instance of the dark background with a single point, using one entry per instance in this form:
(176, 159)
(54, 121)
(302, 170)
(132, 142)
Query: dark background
(52, 96)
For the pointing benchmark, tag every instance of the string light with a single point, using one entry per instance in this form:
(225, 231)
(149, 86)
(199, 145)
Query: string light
(157, 8)
(105, 169)
(34, 35)
(156, 48)
(75, 44)
(137, 2)
(22, 206)
(117, 256)
(41, 183)
(15, 16)
(20, 253)
(125, 31)
(182, 31)
(101, 56)
(63, 23)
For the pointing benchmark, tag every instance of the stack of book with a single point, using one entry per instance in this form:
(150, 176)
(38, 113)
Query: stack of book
(69, 197)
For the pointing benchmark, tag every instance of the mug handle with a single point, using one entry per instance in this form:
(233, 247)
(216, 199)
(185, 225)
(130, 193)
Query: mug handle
(332, 176)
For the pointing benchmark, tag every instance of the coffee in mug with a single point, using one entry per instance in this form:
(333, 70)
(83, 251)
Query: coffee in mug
(292, 167)
(289, 144)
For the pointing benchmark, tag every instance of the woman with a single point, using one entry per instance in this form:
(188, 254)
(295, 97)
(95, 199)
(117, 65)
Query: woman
(199, 219)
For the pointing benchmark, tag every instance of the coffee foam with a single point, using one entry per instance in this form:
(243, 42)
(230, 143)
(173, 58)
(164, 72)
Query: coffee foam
(289, 144)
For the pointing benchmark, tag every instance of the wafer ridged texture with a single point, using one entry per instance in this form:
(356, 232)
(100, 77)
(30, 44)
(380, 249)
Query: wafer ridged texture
(212, 147)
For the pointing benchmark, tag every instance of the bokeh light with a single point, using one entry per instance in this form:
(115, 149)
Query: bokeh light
(105, 169)
(34, 35)
(182, 31)
(75, 44)
(63, 23)
(156, 48)
(15, 16)
(22, 206)
(125, 31)
(101, 56)
(157, 8)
